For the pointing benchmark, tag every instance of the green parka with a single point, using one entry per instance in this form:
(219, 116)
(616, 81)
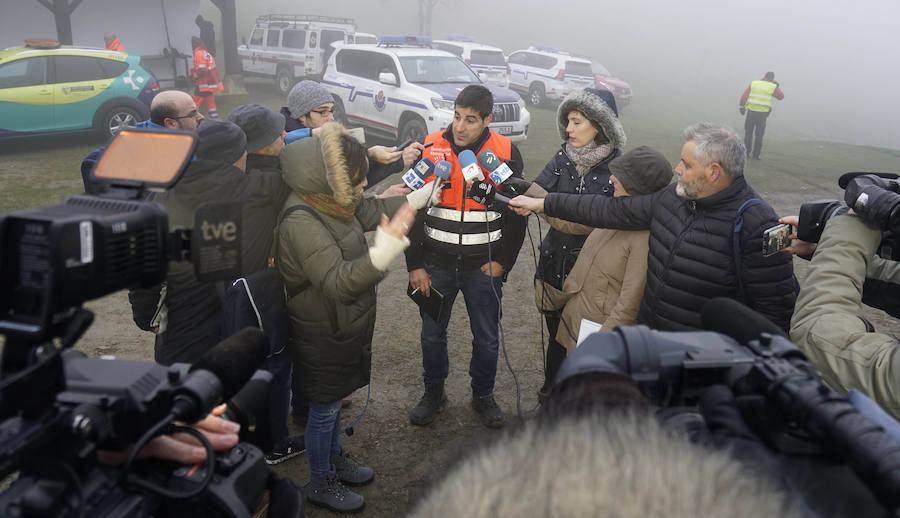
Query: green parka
(329, 277)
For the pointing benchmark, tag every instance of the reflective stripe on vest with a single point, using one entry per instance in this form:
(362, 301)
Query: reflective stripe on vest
(467, 217)
(467, 239)
(760, 98)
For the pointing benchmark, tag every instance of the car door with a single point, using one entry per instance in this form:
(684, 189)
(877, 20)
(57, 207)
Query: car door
(26, 98)
(271, 55)
(387, 99)
(358, 81)
(518, 70)
(253, 62)
(326, 38)
(293, 41)
(79, 83)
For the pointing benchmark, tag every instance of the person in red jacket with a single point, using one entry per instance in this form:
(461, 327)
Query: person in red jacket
(112, 42)
(206, 78)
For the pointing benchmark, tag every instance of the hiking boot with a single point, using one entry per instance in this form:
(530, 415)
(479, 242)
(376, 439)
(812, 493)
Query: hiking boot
(293, 446)
(432, 402)
(332, 494)
(489, 412)
(350, 471)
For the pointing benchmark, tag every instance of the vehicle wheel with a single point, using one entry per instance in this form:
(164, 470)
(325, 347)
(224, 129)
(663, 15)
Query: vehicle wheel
(414, 128)
(536, 94)
(284, 80)
(339, 114)
(118, 118)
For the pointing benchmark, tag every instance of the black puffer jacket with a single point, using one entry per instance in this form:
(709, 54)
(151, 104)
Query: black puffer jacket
(691, 258)
(558, 249)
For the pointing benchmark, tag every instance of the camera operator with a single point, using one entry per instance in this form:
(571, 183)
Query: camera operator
(827, 322)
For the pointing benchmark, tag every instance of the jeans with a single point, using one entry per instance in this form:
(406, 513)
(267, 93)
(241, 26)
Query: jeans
(279, 365)
(754, 123)
(483, 307)
(323, 437)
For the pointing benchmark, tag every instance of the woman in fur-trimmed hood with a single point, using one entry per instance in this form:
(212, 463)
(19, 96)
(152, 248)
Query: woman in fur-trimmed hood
(330, 273)
(593, 136)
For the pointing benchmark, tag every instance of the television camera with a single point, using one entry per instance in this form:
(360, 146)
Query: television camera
(58, 407)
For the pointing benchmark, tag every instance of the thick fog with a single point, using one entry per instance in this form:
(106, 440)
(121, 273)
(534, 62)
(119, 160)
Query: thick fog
(691, 59)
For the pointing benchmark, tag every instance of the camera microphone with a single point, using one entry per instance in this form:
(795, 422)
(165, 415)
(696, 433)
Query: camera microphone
(443, 169)
(415, 177)
(498, 171)
(220, 373)
(733, 319)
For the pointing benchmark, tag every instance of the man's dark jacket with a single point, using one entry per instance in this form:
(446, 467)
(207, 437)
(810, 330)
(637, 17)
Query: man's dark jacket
(194, 307)
(691, 259)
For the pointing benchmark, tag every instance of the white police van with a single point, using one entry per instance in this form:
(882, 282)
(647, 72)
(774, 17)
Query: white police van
(291, 47)
(542, 73)
(487, 61)
(402, 88)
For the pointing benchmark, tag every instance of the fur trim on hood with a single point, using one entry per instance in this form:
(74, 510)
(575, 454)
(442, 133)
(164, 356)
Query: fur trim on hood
(597, 111)
(316, 165)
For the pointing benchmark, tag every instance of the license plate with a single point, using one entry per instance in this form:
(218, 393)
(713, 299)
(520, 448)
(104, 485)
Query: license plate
(503, 130)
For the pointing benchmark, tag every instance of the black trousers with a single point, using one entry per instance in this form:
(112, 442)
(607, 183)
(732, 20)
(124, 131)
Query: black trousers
(755, 123)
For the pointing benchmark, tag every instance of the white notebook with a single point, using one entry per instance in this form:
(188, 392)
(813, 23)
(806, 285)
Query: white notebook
(588, 327)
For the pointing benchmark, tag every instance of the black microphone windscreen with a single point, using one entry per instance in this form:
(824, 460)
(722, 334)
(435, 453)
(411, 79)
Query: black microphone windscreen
(235, 359)
(731, 318)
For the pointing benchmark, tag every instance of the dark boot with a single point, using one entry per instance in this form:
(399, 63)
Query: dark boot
(432, 402)
(331, 493)
(489, 412)
(350, 471)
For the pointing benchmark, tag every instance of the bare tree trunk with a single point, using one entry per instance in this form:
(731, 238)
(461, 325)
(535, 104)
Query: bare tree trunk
(426, 8)
(62, 11)
(229, 35)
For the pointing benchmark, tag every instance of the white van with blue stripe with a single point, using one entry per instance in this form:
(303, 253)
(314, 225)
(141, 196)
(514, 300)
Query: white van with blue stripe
(545, 73)
(402, 88)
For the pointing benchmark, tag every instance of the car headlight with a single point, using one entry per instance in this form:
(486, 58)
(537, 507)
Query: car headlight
(442, 104)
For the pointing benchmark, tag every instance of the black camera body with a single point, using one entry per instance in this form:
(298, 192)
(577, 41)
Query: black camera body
(58, 407)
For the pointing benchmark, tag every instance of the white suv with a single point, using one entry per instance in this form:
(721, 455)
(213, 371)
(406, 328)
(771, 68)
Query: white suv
(488, 62)
(290, 47)
(402, 91)
(542, 73)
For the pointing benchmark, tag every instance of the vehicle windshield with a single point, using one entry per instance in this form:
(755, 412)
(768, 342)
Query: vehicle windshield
(437, 69)
(488, 57)
(600, 70)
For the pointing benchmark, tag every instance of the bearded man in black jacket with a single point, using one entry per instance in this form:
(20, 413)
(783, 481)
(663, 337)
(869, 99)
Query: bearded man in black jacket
(705, 234)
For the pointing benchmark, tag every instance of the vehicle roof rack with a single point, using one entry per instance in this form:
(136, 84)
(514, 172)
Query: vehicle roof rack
(404, 41)
(296, 18)
(548, 48)
(460, 37)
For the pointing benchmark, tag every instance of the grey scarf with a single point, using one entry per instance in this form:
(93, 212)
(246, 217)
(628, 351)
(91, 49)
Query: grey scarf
(587, 156)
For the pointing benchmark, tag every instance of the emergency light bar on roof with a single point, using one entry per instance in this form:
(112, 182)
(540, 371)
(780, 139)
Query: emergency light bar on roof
(295, 18)
(406, 41)
(460, 37)
(547, 48)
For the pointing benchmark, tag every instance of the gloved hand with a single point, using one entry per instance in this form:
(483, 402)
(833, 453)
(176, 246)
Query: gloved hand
(515, 186)
(874, 199)
(428, 195)
(743, 110)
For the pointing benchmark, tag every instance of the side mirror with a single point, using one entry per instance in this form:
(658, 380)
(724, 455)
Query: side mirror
(388, 78)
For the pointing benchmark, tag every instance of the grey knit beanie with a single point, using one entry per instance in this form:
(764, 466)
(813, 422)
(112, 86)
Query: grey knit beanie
(305, 96)
(261, 125)
(643, 170)
(220, 141)
(598, 112)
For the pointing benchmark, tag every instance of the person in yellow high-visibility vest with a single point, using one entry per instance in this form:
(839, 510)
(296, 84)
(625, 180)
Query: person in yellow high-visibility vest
(756, 102)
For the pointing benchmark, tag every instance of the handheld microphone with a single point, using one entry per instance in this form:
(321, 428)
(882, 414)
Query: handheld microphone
(471, 171)
(443, 169)
(220, 373)
(733, 319)
(415, 177)
(499, 172)
(485, 194)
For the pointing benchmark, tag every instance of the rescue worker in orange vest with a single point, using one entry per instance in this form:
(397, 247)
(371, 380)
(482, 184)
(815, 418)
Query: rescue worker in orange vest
(460, 245)
(206, 78)
(112, 42)
(756, 101)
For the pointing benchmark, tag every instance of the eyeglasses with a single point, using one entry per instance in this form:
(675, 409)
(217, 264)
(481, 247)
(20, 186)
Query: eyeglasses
(191, 115)
(324, 113)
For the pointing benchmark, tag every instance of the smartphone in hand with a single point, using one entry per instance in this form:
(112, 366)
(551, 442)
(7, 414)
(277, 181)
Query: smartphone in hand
(776, 239)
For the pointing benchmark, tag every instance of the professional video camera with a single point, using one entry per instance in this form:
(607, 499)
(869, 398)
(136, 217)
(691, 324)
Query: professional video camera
(872, 196)
(58, 407)
(777, 390)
